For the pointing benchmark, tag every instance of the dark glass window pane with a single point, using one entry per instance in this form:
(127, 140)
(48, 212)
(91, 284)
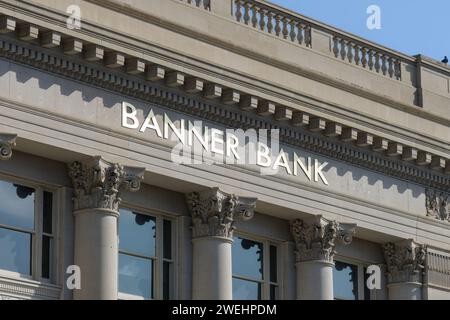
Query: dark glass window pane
(167, 283)
(47, 212)
(246, 290)
(273, 292)
(167, 239)
(248, 258)
(366, 289)
(345, 281)
(46, 256)
(136, 276)
(15, 253)
(17, 205)
(137, 233)
(273, 264)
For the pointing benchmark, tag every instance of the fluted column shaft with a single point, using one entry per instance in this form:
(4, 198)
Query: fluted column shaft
(213, 216)
(96, 210)
(315, 241)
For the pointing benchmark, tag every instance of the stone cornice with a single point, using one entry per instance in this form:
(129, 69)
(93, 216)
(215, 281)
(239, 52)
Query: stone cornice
(405, 261)
(97, 182)
(7, 142)
(129, 45)
(316, 237)
(214, 212)
(345, 148)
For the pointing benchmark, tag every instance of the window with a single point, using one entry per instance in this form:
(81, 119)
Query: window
(349, 281)
(145, 256)
(255, 274)
(26, 231)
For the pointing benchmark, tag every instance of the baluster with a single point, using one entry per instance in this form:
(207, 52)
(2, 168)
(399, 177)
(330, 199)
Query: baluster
(285, 28)
(308, 35)
(336, 46)
(370, 59)
(377, 62)
(350, 51)
(300, 32)
(262, 17)
(246, 12)
(277, 25)
(254, 16)
(391, 67)
(343, 45)
(364, 57)
(238, 10)
(384, 64)
(398, 69)
(269, 22)
(292, 34)
(357, 54)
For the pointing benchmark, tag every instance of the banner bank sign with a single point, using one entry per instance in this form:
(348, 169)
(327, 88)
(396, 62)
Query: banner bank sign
(196, 143)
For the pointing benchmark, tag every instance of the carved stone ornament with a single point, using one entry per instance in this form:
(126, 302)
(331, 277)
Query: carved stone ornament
(7, 142)
(97, 183)
(405, 261)
(437, 204)
(316, 237)
(214, 212)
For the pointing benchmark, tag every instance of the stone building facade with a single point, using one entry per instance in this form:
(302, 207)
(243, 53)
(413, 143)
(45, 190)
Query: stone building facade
(98, 100)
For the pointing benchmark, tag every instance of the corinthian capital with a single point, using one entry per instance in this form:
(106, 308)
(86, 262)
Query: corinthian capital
(316, 237)
(97, 183)
(7, 142)
(405, 261)
(214, 212)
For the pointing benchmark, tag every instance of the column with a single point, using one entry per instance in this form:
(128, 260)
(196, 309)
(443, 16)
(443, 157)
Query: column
(96, 185)
(213, 215)
(315, 241)
(7, 142)
(405, 261)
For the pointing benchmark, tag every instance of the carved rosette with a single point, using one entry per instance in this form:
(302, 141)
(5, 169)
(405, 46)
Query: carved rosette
(316, 237)
(437, 204)
(405, 261)
(97, 183)
(214, 212)
(7, 142)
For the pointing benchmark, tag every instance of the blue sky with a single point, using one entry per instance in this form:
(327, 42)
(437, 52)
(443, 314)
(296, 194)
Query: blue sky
(408, 26)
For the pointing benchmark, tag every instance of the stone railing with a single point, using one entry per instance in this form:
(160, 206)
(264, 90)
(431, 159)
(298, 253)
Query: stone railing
(205, 4)
(269, 19)
(272, 19)
(366, 56)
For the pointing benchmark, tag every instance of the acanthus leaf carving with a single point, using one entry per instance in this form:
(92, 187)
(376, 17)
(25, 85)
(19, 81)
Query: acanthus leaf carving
(214, 212)
(7, 142)
(405, 261)
(97, 183)
(316, 237)
(437, 204)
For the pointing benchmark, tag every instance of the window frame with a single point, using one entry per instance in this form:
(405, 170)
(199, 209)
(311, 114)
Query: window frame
(360, 265)
(158, 259)
(266, 283)
(37, 232)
